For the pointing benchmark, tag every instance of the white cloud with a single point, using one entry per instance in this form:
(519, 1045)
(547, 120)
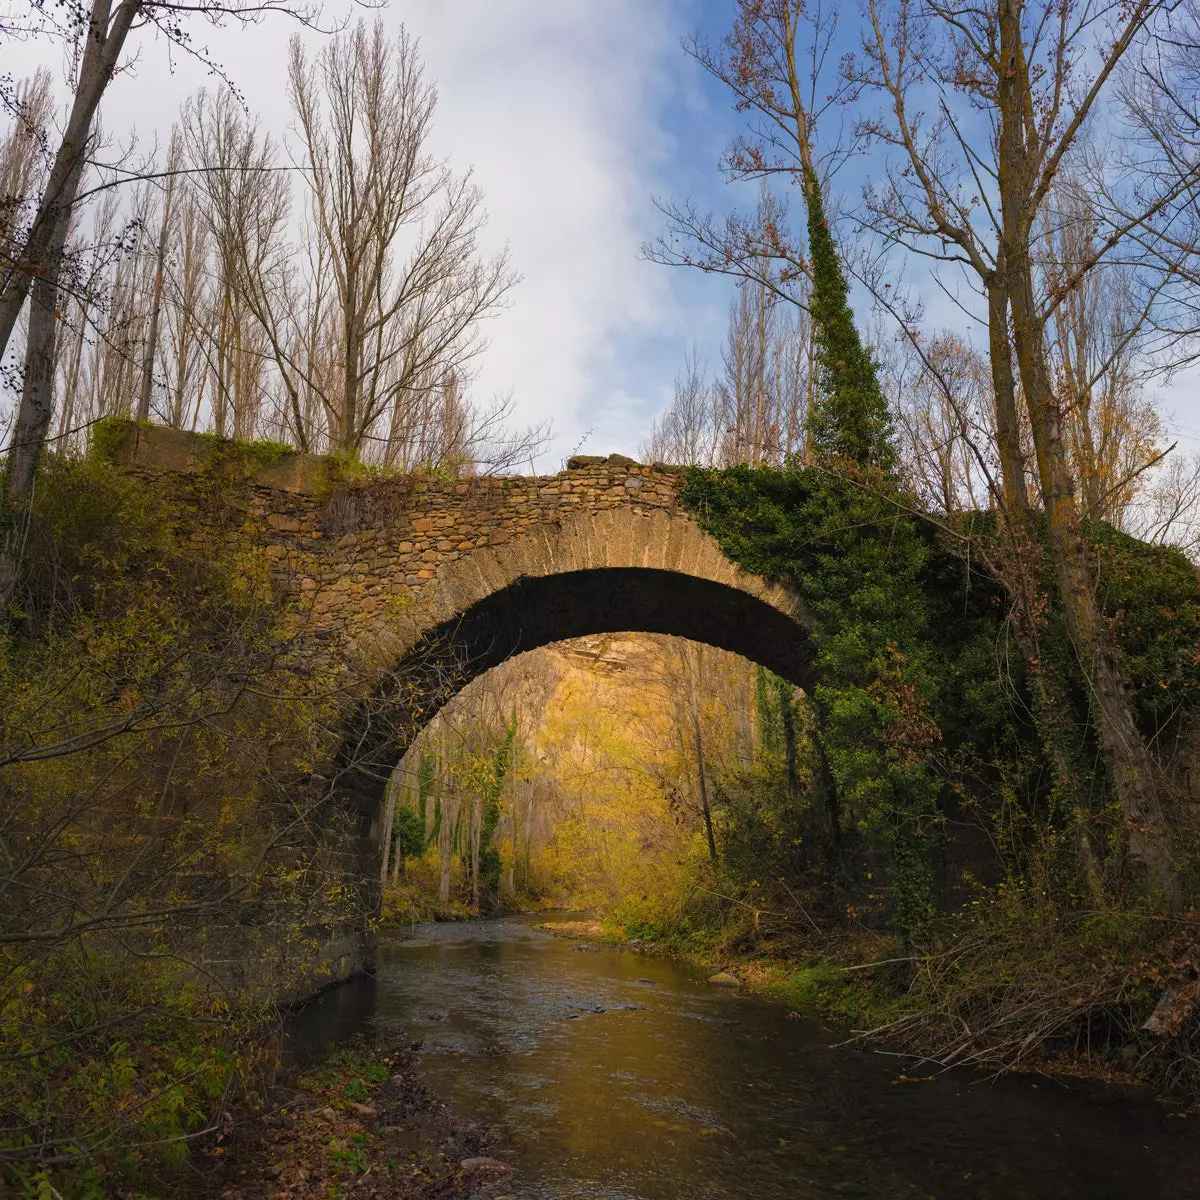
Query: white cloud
(556, 106)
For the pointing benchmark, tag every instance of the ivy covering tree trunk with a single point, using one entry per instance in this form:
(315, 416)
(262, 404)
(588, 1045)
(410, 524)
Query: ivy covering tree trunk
(861, 573)
(857, 556)
(849, 426)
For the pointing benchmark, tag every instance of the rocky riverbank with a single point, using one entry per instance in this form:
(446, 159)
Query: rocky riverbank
(361, 1124)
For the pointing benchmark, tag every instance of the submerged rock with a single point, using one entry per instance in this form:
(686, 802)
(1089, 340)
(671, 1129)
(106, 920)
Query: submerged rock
(724, 979)
(470, 1166)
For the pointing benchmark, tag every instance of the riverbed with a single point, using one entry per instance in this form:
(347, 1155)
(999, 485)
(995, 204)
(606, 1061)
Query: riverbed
(610, 1075)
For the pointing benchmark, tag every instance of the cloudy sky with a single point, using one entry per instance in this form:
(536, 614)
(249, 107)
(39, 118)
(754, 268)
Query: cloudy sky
(573, 115)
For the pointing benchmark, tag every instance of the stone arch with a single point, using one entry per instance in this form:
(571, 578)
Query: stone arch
(618, 570)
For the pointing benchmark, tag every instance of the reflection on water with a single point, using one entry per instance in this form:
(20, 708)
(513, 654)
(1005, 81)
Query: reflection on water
(628, 1078)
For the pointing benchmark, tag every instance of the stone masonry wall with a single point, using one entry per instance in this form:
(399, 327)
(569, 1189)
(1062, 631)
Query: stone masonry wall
(375, 561)
(360, 546)
(373, 567)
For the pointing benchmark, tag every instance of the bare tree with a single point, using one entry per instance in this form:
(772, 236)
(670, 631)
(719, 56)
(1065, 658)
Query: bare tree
(1167, 512)
(122, 319)
(22, 161)
(686, 431)
(933, 202)
(761, 403)
(756, 412)
(93, 315)
(150, 349)
(245, 200)
(399, 232)
(186, 287)
(976, 203)
(1101, 340)
(97, 34)
(779, 62)
(944, 407)
(442, 429)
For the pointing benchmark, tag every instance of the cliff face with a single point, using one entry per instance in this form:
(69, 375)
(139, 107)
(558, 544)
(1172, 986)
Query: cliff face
(636, 657)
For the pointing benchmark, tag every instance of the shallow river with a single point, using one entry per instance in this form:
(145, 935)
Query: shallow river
(616, 1076)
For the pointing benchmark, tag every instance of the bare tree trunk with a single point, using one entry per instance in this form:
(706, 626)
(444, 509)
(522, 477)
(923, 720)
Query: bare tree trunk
(701, 774)
(43, 260)
(1133, 770)
(43, 247)
(386, 834)
(476, 834)
(445, 833)
(787, 718)
(143, 411)
(221, 372)
(528, 837)
(1051, 704)
(1004, 388)
(349, 436)
(1128, 757)
(37, 407)
(71, 379)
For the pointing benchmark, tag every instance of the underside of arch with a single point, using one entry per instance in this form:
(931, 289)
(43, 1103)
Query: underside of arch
(535, 611)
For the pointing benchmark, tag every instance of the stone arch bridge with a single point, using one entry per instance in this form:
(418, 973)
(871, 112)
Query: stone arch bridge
(424, 583)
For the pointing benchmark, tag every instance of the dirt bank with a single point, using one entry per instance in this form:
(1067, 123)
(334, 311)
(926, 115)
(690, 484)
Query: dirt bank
(362, 1124)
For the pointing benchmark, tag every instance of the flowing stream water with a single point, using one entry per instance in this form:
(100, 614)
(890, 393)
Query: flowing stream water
(615, 1076)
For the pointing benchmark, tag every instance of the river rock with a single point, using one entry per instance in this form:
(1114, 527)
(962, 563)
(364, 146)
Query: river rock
(724, 979)
(469, 1166)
